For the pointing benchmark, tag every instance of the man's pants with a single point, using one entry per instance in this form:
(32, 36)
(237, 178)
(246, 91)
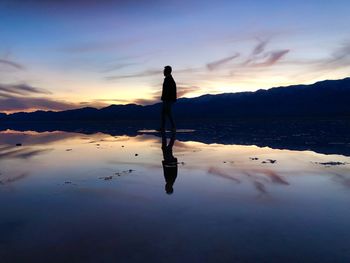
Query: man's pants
(167, 112)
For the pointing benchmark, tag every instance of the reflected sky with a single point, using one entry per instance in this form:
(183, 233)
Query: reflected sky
(86, 198)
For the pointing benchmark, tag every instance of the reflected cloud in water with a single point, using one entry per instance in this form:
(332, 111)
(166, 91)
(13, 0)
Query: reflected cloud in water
(343, 179)
(11, 137)
(218, 172)
(14, 178)
(20, 153)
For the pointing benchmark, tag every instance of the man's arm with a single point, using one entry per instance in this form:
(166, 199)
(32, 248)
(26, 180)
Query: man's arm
(164, 88)
(174, 93)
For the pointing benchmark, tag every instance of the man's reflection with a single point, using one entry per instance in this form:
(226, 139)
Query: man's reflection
(169, 163)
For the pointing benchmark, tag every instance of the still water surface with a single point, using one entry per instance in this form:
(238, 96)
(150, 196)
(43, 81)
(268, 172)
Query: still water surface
(71, 197)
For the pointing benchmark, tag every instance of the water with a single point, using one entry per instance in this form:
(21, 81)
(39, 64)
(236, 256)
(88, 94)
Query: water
(73, 197)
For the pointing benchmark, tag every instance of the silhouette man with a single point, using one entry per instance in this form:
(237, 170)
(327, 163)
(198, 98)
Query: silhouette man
(168, 98)
(169, 163)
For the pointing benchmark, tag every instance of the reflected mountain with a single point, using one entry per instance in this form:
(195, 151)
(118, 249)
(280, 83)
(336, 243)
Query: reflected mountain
(318, 135)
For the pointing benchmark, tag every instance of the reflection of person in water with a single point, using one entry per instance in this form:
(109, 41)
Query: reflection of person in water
(169, 163)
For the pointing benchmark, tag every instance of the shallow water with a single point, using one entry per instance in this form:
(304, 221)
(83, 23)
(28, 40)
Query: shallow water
(72, 197)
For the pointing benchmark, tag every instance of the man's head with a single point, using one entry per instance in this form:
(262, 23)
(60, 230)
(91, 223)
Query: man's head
(169, 189)
(167, 71)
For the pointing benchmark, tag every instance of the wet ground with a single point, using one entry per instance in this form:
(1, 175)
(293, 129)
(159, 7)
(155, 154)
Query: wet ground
(138, 197)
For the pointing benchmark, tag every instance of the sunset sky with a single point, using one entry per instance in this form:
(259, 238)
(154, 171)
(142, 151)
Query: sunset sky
(61, 54)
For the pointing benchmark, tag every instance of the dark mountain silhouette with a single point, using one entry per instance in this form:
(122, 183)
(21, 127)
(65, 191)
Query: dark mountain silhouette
(328, 98)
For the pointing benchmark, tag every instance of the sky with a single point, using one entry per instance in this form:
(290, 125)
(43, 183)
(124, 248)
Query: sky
(64, 54)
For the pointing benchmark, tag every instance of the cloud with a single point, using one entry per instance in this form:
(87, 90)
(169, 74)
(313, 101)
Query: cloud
(216, 64)
(274, 57)
(100, 46)
(257, 58)
(260, 58)
(155, 96)
(56, 5)
(23, 97)
(256, 52)
(21, 89)
(146, 101)
(259, 48)
(145, 73)
(182, 91)
(101, 103)
(15, 103)
(108, 100)
(342, 52)
(117, 67)
(11, 64)
(339, 58)
(311, 69)
(270, 59)
(154, 72)
(159, 73)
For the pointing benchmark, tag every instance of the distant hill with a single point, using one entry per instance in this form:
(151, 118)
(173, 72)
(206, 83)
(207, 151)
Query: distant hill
(330, 98)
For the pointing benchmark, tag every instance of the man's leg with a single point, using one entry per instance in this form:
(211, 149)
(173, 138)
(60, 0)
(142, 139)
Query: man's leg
(170, 114)
(162, 117)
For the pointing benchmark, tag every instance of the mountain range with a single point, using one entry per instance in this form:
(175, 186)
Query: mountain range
(329, 98)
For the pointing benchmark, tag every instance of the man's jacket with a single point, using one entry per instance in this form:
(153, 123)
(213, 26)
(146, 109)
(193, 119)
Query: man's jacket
(169, 89)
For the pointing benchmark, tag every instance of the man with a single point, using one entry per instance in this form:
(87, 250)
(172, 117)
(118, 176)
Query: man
(168, 98)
